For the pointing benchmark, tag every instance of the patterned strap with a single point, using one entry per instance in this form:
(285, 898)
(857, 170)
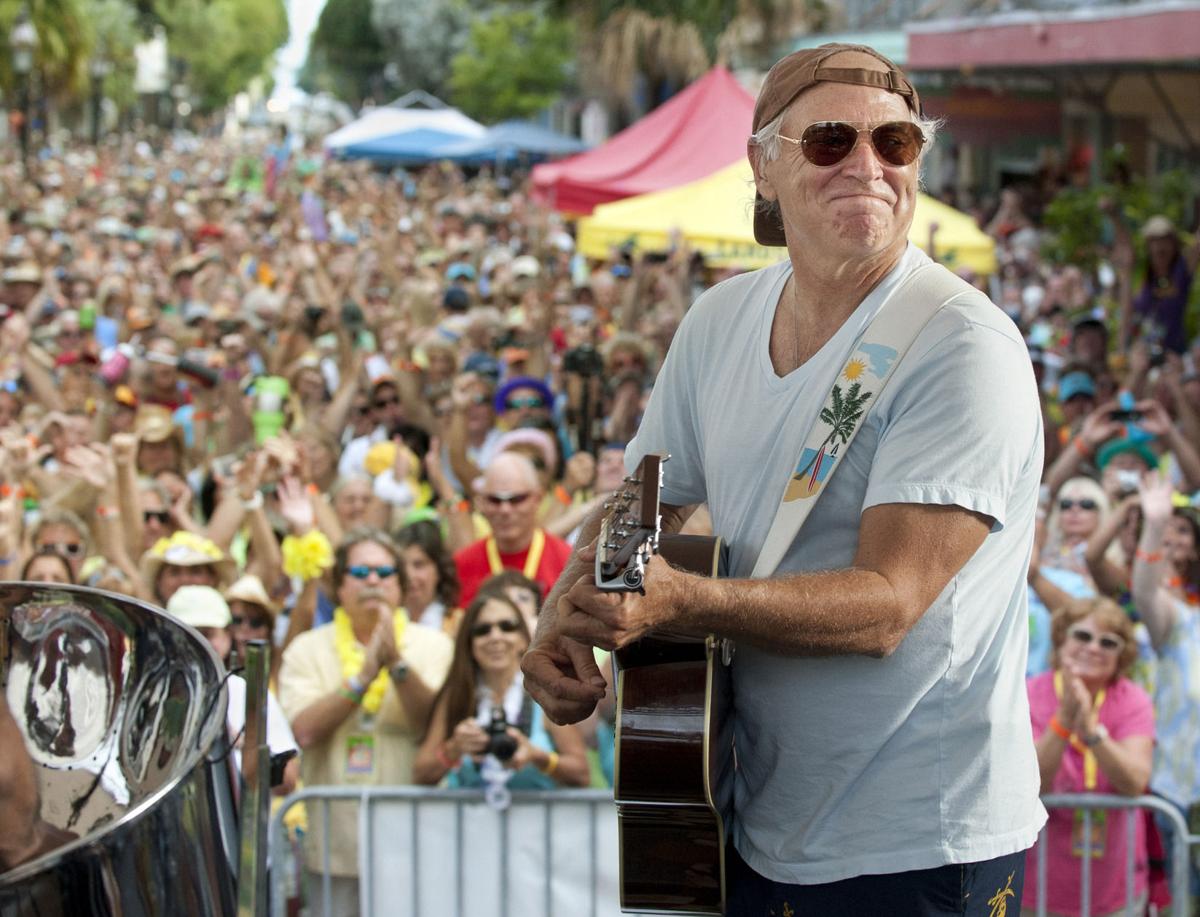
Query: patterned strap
(873, 359)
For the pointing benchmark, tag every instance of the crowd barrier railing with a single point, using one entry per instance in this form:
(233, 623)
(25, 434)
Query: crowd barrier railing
(424, 851)
(427, 851)
(1088, 804)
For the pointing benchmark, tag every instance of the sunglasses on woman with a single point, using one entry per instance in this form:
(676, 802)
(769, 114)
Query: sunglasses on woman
(506, 627)
(66, 550)
(826, 143)
(1085, 504)
(1109, 642)
(255, 622)
(362, 571)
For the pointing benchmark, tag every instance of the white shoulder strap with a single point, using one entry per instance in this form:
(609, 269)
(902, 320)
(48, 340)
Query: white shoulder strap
(873, 359)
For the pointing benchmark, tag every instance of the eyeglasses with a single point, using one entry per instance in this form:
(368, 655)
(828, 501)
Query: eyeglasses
(1084, 504)
(501, 499)
(1109, 642)
(531, 402)
(384, 403)
(478, 399)
(161, 516)
(256, 622)
(67, 550)
(508, 626)
(362, 571)
(826, 143)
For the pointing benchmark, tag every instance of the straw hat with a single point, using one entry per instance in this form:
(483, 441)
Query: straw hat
(249, 588)
(186, 549)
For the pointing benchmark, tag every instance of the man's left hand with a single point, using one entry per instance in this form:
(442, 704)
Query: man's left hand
(611, 620)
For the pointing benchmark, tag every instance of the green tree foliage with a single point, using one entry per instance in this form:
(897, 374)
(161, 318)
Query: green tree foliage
(224, 43)
(346, 56)
(60, 59)
(1075, 224)
(422, 37)
(514, 65)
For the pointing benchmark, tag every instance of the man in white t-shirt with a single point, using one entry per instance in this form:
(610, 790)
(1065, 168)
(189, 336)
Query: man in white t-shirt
(885, 759)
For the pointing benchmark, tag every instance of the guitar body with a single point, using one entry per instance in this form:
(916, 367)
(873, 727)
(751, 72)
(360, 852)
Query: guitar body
(674, 760)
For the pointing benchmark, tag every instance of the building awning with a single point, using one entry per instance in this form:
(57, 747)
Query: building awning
(1158, 34)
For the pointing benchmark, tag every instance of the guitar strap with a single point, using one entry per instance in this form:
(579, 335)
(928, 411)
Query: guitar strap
(874, 357)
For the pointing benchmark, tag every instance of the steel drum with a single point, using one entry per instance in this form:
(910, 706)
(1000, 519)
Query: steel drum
(123, 711)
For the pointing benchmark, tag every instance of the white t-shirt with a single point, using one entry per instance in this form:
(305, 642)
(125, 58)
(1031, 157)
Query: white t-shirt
(279, 733)
(853, 765)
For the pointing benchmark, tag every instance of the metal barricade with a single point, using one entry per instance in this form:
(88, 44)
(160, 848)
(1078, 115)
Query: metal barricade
(413, 822)
(553, 847)
(1088, 803)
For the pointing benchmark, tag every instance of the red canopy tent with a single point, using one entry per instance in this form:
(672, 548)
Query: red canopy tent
(695, 133)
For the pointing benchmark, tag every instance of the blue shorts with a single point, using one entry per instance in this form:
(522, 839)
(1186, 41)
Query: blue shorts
(981, 889)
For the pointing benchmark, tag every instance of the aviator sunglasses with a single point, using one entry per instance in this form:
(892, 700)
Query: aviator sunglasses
(1110, 642)
(1085, 504)
(826, 143)
(506, 627)
(362, 571)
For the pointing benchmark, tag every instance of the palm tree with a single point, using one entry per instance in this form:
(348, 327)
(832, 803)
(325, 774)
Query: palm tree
(843, 414)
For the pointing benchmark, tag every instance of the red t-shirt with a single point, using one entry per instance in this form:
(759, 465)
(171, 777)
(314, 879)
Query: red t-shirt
(473, 567)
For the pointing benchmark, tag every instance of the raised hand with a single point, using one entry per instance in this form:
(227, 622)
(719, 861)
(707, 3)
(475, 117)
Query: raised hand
(295, 505)
(124, 448)
(1155, 493)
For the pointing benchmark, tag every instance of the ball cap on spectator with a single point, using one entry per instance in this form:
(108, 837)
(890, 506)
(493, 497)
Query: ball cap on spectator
(199, 606)
(186, 549)
(154, 424)
(249, 588)
(517, 382)
(1116, 447)
(1158, 225)
(802, 70)
(525, 266)
(26, 272)
(1075, 384)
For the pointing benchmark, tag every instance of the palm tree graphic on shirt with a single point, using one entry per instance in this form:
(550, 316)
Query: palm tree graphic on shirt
(841, 415)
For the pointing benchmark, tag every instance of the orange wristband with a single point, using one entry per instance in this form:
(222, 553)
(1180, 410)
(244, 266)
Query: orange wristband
(443, 758)
(1149, 557)
(1058, 729)
(1081, 447)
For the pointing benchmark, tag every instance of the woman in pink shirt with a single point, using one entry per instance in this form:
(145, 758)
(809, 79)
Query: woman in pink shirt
(1094, 732)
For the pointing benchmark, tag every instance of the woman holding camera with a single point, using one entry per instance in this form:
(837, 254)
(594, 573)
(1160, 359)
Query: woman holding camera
(485, 728)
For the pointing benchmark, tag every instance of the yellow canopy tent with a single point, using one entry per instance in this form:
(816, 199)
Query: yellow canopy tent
(714, 216)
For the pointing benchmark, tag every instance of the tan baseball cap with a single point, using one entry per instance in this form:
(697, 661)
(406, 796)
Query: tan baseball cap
(802, 70)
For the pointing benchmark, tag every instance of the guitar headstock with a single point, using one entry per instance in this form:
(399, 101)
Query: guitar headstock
(629, 532)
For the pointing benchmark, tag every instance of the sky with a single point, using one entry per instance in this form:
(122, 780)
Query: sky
(302, 19)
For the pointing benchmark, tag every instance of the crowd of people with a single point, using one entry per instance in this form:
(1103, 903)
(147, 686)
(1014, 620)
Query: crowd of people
(361, 416)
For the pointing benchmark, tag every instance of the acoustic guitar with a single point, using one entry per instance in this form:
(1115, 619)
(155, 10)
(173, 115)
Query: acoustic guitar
(674, 738)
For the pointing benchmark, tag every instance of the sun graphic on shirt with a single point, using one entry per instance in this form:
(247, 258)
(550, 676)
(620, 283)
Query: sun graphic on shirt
(854, 369)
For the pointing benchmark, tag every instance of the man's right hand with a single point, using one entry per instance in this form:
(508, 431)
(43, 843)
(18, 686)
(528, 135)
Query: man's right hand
(562, 676)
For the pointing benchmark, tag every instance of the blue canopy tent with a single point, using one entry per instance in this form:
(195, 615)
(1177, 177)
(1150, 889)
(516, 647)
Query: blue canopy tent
(398, 136)
(415, 146)
(514, 140)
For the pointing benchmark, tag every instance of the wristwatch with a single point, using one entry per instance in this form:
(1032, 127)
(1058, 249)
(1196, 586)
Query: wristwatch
(399, 671)
(1096, 737)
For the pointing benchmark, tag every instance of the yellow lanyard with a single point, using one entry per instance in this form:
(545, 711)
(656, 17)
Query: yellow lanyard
(1089, 759)
(352, 654)
(533, 559)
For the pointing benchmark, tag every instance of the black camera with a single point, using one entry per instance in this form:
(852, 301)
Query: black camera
(313, 316)
(500, 743)
(584, 360)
